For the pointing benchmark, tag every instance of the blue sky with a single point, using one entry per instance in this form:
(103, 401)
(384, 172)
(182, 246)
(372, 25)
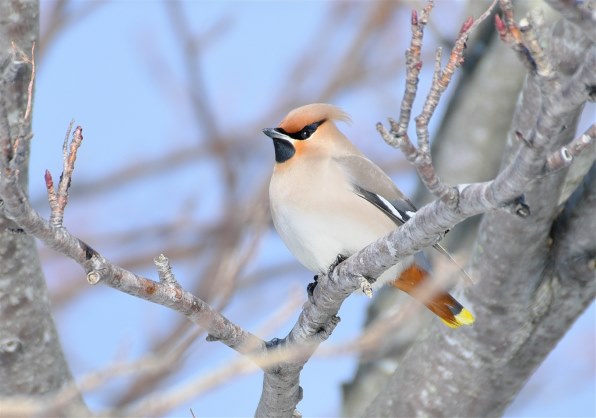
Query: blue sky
(119, 73)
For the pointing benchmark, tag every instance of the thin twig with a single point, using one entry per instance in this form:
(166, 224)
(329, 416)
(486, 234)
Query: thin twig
(413, 67)
(397, 136)
(318, 318)
(69, 156)
(164, 270)
(511, 34)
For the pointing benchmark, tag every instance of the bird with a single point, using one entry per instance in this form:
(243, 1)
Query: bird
(328, 201)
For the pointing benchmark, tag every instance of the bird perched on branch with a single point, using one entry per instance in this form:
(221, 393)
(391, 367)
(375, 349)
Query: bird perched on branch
(329, 200)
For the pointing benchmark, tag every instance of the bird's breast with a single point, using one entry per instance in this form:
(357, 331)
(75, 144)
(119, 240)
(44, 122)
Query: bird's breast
(318, 216)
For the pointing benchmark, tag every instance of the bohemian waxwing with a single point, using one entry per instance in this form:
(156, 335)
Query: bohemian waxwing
(328, 199)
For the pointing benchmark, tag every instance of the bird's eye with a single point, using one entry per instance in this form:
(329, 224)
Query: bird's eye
(305, 132)
(308, 130)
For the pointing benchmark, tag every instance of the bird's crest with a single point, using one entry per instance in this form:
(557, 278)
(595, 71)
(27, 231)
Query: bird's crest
(311, 113)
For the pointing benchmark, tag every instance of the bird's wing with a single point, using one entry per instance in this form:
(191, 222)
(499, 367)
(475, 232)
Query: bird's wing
(372, 184)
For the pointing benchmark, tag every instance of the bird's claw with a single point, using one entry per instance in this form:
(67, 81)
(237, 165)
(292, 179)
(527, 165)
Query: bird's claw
(311, 288)
(338, 260)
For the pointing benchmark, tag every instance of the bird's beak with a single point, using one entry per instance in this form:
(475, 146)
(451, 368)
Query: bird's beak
(283, 144)
(273, 133)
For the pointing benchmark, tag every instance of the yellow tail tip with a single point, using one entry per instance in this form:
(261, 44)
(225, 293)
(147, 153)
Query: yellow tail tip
(465, 317)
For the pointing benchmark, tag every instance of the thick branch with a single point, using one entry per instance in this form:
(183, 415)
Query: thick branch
(579, 14)
(517, 323)
(32, 362)
(423, 230)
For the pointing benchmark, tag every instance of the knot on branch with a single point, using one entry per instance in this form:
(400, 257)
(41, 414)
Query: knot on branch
(528, 142)
(164, 271)
(93, 277)
(10, 345)
(564, 156)
(519, 207)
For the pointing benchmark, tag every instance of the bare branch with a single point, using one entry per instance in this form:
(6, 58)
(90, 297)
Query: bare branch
(158, 405)
(413, 67)
(540, 305)
(423, 230)
(99, 269)
(21, 140)
(543, 66)
(398, 137)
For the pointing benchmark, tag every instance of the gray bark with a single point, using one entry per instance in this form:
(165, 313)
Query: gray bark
(480, 138)
(525, 300)
(31, 359)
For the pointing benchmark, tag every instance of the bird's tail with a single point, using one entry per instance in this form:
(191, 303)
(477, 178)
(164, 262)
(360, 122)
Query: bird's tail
(452, 313)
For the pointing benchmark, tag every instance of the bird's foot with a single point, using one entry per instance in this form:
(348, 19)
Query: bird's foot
(311, 288)
(338, 260)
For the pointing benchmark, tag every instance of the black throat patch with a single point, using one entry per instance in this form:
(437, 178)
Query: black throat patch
(284, 150)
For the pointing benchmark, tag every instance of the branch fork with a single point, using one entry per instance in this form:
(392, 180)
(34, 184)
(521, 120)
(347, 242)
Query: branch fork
(397, 136)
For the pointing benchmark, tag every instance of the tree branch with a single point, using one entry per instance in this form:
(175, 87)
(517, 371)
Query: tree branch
(423, 230)
(285, 358)
(515, 300)
(398, 136)
(32, 362)
(564, 156)
(98, 269)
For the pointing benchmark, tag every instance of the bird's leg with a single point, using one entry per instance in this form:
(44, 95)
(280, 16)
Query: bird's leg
(275, 342)
(338, 260)
(365, 282)
(311, 288)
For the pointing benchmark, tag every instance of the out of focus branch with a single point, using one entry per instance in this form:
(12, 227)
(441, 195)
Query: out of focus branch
(565, 155)
(99, 269)
(61, 15)
(580, 13)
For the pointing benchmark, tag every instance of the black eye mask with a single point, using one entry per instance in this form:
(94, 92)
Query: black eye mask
(304, 133)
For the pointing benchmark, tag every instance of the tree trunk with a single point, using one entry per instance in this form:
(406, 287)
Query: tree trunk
(481, 136)
(536, 274)
(31, 359)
